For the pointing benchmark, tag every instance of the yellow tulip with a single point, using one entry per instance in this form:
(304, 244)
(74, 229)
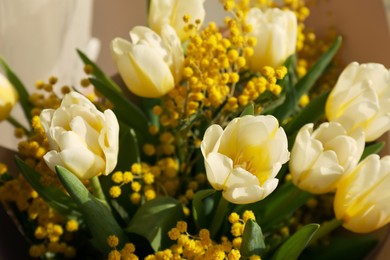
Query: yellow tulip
(361, 98)
(8, 97)
(320, 158)
(243, 159)
(275, 31)
(362, 197)
(150, 65)
(83, 139)
(171, 12)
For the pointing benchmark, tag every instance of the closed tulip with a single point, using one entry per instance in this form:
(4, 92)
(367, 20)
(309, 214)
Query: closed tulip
(8, 97)
(321, 157)
(362, 198)
(171, 12)
(150, 65)
(361, 98)
(243, 159)
(83, 139)
(276, 33)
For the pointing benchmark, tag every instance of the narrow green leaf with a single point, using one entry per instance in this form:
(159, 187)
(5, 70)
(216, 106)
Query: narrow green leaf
(293, 94)
(252, 240)
(351, 247)
(125, 110)
(98, 73)
(202, 207)
(293, 247)
(289, 101)
(20, 88)
(372, 148)
(154, 219)
(305, 84)
(98, 216)
(310, 114)
(128, 148)
(278, 206)
(57, 199)
(248, 110)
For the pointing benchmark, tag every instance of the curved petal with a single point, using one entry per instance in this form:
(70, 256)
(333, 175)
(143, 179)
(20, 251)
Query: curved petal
(218, 169)
(109, 141)
(211, 139)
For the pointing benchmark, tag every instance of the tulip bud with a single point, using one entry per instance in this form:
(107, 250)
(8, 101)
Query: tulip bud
(150, 65)
(276, 36)
(361, 98)
(83, 139)
(362, 197)
(320, 158)
(243, 159)
(8, 97)
(171, 12)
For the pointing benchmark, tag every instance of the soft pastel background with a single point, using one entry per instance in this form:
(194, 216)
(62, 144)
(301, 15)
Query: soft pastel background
(363, 24)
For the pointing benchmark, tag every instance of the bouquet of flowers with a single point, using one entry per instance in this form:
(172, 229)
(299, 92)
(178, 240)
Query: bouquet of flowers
(239, 141)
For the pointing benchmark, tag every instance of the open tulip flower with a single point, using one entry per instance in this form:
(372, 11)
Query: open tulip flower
(362, 197)
(243, 159)
(320, 158)
(8, 97)
(361, 98)
(83, 139)
(275, 31)
(150, 65)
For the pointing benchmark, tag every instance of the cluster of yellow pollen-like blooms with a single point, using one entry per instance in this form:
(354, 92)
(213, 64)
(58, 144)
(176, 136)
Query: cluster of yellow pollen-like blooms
(201, 246)
(127, 252)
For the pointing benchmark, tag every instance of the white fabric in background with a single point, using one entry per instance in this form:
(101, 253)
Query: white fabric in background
(38, 38)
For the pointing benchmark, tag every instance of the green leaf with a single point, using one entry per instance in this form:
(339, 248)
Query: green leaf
(351, 247)
(252, 240)
(289, 101)
(278, 206)
(56, 198)
(372, 148)
(294, 246)
(98, 216)
(202, 207)
(128, 149)
(310, 114)
(125, 110)
(98, 73)
(248, 110)
(293, 94)
(306, 83)
(154, 219)
(20, 88)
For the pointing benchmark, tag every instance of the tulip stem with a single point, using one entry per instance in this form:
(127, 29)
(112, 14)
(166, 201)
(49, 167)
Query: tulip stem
(17, 124)
(326, 229)
(97, 190)
(219, 216)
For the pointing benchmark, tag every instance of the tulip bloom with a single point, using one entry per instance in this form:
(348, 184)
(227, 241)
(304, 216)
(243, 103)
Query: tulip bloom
(320, 158)
(8, 97)
(150, 65)
(83, 139)
(361, 98)
(171, 12)
(276, 34)
(243, 159)
(362, 197)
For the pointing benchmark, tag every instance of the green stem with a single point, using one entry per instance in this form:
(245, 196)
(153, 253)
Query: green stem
(97, 190)
(326, 229)
(219, 216)
(17, 124)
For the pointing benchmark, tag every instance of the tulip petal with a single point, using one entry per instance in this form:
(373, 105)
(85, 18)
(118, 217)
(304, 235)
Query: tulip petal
(242, 187)
(82, 162)
(80, 127)
(218, 168)
(109, 141)
(211, 139)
